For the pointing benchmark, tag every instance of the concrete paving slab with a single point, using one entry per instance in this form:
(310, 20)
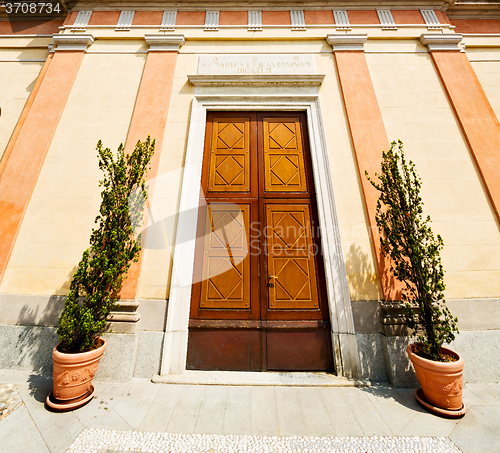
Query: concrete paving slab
(101, 415)
(133, 410)
(237, 417)
(264, 419)
(485, 392)
(57, 429)
(211, 416)
(186, 411)
(479, 430)
(427, 424)
(391, 405)
(290, 417)
(160, 412)
(341, 415)
(18, 433)
(315, 414)
(368, 417)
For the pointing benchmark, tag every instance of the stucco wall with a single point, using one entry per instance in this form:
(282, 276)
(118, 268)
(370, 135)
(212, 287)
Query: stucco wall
(17, 79)
(416, 110)
(66, 199)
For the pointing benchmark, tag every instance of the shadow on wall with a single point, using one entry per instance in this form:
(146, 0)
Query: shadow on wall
(28, 345)
(362, 278)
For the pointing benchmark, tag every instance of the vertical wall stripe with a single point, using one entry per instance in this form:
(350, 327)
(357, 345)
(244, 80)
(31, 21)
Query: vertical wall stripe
(475, 115)
(24, 164)
(369, 137)
(150, 118)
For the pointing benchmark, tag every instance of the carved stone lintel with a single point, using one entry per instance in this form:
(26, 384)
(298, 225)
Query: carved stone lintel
(165, 43)
(346, 42)
(440, 41)
(260, 80)
(73, 42)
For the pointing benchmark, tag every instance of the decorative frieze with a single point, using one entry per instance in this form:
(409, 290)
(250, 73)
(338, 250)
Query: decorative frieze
(81, 21)
(298, 21)
(254, 20)
(168, 20)
(440, 41)
(125, 20)
(73, 42)
(386, 19)
(346, 42)
(212, 21)
(431, 19)
(165, 43)
(341, 20)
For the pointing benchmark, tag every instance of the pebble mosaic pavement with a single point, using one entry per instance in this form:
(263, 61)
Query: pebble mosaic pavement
(111, 441)
(10, 399)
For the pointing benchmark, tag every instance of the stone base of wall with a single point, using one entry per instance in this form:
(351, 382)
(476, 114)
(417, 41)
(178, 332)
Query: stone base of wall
(384, 358)
(127, 355)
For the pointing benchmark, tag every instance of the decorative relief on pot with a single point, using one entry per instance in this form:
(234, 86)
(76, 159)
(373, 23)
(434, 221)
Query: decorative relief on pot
(454, 388)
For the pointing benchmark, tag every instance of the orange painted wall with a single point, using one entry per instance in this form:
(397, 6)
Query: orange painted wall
(104, 18)
(70, 18)
(319, 17)
(476, 25)
(369, 139)
(150, 118)
(21, 170)
(147, 18)
(190, 18)
(442, 17)
(233, 18)
(407, 17)
(276, 18)
(479, 123)
(363, 17)
(25, 27)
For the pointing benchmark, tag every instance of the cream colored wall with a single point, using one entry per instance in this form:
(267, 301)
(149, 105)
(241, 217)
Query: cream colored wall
(356, 239)
(17, 80)
(66, 199)
(416, 110)
(154, 282)
(488, 73)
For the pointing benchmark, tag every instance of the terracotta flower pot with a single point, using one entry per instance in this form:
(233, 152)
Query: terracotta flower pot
(441, 382)
(73, 373)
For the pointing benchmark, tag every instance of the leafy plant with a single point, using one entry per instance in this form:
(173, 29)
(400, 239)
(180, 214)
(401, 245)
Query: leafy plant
(95, 285)
(414, 251)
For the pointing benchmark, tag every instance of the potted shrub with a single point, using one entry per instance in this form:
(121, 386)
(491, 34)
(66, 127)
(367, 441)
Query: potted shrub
(95, 285)
(414, 253)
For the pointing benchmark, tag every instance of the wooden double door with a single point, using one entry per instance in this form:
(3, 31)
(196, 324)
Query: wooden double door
(258, 298)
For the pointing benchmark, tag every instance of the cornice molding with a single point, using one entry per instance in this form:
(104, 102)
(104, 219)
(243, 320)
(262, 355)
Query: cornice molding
(73, 42)
(165, 43)
(223, 80)
(347, 42)
(441, 41)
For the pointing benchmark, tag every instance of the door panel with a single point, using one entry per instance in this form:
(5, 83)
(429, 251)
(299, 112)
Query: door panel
(226, 264)
(258, 221)
(229, 155)
(283, 155)
(292, 270)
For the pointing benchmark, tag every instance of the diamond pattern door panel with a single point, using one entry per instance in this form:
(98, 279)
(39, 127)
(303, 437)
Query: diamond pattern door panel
(283, 155)
(229, 155)
(290, 258)
(225, 269)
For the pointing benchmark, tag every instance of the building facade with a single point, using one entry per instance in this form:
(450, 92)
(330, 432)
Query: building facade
(272, 111)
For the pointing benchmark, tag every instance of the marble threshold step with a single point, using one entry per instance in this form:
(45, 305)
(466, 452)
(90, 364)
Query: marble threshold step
(268, 378)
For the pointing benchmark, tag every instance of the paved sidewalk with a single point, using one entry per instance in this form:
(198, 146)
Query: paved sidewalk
(249, 416)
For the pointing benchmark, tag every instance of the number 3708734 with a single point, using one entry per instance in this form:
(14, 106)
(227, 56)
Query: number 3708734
(32, 8)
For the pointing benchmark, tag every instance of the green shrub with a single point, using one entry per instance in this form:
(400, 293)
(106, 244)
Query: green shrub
(95, 285)
(414, 252)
